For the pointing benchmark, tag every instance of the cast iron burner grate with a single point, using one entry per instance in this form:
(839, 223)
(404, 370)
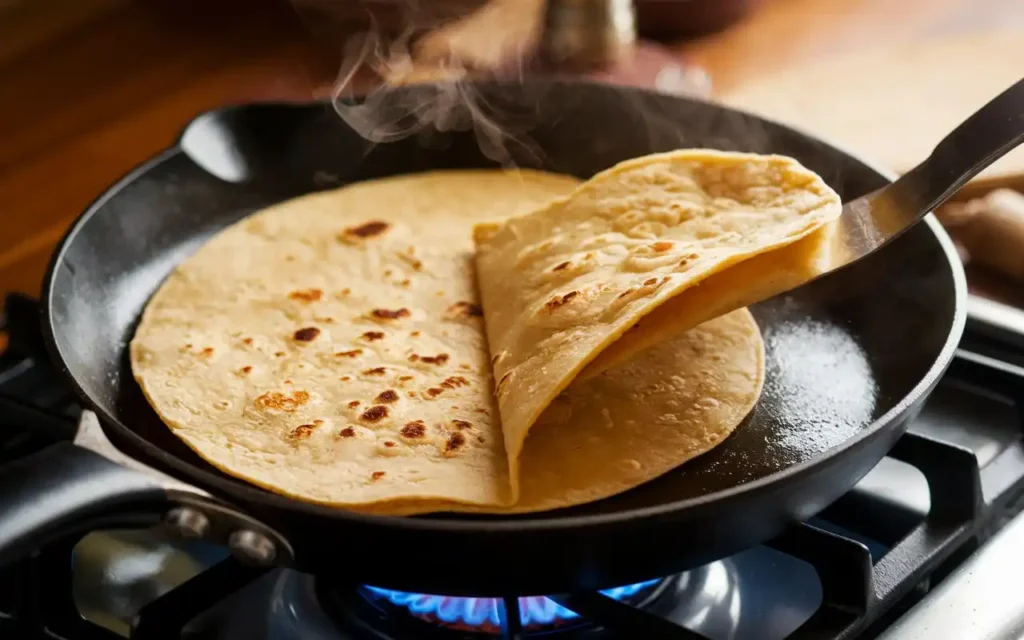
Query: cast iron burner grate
(858, 590)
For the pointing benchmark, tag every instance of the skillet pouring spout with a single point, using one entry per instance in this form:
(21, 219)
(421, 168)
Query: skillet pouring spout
(71, 488)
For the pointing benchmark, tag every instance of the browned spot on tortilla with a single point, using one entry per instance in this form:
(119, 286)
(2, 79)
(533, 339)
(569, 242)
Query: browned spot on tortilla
(390, 314)
(367, 229)
(306, 295)
(414, 334)
(347, 432)
(387, 397)
(455, 441)
(346, 291)
(349, 354)
(414, 429)
(353, 404)
(302, 432)
(389, 443)
(318, 422)
(454, 382)
(247, 340)
(375, 413)
(306, 334)
(345, 378)
(246, 369)
(276, 400)
(440, 358)
(206, 352)
(404, 378)
(279, 354)
(648, 282)
(433, 392)
(462, 424)
(662, 246)
(687, 259)
(405, 283)
(376, 371)
(370, 336)
(626, 292)
(324, 319)
(413, 262)
(561, 265)
(377, 475)
(463, 309)
(558, 300)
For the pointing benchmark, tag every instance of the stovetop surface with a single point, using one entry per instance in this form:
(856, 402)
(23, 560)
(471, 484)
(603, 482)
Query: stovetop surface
(951, 483)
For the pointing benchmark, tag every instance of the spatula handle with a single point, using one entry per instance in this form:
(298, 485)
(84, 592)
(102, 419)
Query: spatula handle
(989, 134)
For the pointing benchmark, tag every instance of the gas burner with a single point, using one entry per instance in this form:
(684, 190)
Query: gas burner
(373, 612)
(483, 615)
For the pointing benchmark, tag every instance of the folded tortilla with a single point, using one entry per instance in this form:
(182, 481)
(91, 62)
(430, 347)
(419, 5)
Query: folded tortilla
(332, 348)
(593, 278)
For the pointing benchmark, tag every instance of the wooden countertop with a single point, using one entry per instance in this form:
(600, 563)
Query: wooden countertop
(89, 88)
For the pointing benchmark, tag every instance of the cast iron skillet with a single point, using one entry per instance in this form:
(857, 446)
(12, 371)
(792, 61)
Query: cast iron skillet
(850, 358)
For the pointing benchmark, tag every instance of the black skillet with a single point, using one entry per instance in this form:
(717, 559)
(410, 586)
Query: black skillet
(851, 358)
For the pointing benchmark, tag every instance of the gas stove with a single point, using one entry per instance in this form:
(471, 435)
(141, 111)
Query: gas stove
(926, 544)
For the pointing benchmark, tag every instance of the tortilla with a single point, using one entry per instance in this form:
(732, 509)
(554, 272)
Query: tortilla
(561, 284)
(332, 348)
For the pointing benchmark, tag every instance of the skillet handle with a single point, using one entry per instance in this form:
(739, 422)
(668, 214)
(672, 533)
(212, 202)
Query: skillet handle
(64, 490)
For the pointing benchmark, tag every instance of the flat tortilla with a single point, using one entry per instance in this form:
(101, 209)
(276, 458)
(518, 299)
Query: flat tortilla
(331, 348)
(635, 238)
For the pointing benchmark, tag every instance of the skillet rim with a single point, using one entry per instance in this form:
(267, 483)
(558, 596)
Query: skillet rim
(234, 489)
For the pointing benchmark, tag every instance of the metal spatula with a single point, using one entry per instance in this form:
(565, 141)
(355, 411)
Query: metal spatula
(873, 220)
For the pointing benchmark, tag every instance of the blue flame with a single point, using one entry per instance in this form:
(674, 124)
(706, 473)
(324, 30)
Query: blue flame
(482, 612)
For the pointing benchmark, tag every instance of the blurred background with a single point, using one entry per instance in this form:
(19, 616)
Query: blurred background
(89, 88)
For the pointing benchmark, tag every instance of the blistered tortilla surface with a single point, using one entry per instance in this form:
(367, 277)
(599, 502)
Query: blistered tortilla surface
(331, 347)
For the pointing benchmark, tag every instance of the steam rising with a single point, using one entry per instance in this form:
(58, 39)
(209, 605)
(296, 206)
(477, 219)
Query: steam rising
(428, 87)
(435, 75)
